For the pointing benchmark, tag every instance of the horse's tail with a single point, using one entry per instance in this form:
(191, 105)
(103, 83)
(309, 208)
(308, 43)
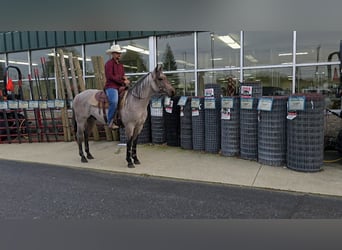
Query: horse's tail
(74, 123)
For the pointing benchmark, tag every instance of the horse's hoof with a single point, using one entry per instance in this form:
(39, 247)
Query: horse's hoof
(90, 157)
(136, 162)
(83, 159)
(130, 165)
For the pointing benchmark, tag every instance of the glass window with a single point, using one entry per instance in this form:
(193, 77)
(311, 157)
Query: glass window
(98, 49)
(45, 91)
(176, 52)
(276, 81)
(219, 77)
(314, 79)
(267, 48)
(184, 83)
(218, 50)
(318, 46)
(2, 67)
(136, 57)
(19, 60)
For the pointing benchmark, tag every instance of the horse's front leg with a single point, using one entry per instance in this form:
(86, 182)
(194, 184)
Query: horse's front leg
(129, 153)
(134, 151)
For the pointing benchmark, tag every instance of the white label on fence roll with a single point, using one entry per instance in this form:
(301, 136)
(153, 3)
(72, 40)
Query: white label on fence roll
(195, 103)
(3, 105)
(33, 104)
(209, 92)
(59, 103)
(225, 114)
(227, 102)
(246, 103)
(51, 103)
(246, 90)
(209, 103)
(23, 104)
(43, 104)
(194, 112)
(182, 100)
(12, 104)
(156, 103)
(168, 108)
(296, 103)
(265, 104)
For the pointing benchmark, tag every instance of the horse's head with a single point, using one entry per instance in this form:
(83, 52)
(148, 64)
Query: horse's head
(162, 84)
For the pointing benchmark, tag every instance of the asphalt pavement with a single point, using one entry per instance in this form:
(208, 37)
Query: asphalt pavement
(175, 162)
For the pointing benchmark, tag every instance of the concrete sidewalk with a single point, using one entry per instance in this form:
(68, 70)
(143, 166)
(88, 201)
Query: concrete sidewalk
(174, 162)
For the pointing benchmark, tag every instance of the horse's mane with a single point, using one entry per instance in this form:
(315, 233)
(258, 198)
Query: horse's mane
(139, 90)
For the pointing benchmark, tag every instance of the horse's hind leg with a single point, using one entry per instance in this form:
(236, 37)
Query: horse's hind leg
(134, 151)
(87, 131)
(79, 137)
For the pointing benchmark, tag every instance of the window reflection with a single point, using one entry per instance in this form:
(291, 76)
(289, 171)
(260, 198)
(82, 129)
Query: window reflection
(184, 83)
(218, 77)
(218, 50)
(136, 57)
(98, 49)
(314, 79)
(318, 46)
(176, 52)
(277, 81)
(267, 48)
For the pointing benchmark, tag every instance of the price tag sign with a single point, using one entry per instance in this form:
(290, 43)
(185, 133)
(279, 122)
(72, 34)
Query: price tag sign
(33, 104)
(3, 105)
(296, 103)
(156, 103)
(43, 104)
(51, 104)
(59, 103)
(227, 102)
(265, 104)
(13, 104)
(23, 104)
(195, 103)
(209, 103)
(246, 103)
(209, 92)
(182, 100)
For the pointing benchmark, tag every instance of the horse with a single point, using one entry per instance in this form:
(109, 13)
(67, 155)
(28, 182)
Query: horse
(133, 112)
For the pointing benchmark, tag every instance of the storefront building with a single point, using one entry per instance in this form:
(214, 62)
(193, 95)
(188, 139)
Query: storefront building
(283, 61)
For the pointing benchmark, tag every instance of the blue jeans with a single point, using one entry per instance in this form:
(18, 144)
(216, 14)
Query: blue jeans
(113, 97)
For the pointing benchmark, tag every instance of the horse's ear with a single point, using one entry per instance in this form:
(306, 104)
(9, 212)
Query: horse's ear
(159, 67)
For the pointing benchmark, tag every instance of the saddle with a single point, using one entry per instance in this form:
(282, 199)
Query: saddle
(103, 103)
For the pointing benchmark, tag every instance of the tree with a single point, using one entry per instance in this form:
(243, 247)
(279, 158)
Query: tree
(170, 64)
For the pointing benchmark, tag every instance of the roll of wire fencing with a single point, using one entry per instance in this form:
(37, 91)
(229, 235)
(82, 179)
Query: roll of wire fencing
(305, 132)
(230, 126)
(157, 121)
(212, 111)
(272, 143)
(172, 123)
(185, 122)
(198, 130)
(249, 94)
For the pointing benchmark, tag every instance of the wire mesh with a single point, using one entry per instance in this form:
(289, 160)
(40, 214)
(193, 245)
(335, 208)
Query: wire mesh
(212, 112)
(305, 135)
(197, 121)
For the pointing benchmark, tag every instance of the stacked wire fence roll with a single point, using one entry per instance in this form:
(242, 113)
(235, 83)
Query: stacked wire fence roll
(172, 123)
(212, 90)
(249, 94)
(197, 122)
(122, 135)
(272, 144)
(305, 132)
(212, 111)
(230, 126)
(157, 121)
(248, 128)
(185, 123)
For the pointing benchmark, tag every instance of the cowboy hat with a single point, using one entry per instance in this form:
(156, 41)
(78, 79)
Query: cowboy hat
(115, 48)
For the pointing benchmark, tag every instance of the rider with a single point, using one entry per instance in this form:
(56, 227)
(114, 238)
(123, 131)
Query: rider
(115, 78)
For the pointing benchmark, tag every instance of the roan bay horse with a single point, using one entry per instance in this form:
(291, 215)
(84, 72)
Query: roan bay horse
(133, 112)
